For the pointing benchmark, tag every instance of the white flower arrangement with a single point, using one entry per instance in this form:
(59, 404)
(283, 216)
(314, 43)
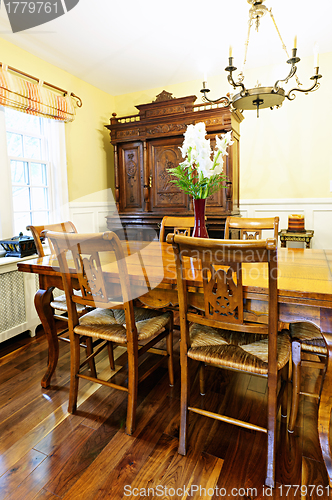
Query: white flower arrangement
(201, 173)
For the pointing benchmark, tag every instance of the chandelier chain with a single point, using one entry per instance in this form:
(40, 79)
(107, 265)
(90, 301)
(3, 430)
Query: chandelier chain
(282, 42)
(246, 45)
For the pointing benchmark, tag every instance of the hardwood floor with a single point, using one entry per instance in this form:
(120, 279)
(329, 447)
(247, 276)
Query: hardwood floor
(47, 454)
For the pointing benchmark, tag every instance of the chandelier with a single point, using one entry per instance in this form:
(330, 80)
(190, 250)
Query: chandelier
(262, 97)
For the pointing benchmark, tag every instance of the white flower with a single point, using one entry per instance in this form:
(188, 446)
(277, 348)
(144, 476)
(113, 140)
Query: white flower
(201, 172)
(223, 142)
(194, 138)
(205, 167)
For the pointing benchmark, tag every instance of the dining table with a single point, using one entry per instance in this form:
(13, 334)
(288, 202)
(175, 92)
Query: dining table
(304, 294)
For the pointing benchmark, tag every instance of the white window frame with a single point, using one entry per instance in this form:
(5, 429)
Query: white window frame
(43, 160)
(57, 165)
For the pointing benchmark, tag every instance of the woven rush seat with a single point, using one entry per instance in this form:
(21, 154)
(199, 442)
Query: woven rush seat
(241, 351)
(309, 337)
(60, 304)
(110, 324)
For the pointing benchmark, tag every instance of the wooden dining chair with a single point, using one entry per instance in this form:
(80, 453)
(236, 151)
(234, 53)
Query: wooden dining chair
(58, 303)
(306, 339)
(221, 332)
(62, 227)
(251, 229)
(115, 320)
(178, 225)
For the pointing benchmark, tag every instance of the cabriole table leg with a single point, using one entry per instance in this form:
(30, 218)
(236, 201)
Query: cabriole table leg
(45, 312)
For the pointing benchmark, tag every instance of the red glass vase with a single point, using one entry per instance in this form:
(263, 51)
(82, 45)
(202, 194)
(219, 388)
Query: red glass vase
(200, 230)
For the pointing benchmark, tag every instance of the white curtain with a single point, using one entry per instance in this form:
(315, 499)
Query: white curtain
(6, 198)
(55, 133)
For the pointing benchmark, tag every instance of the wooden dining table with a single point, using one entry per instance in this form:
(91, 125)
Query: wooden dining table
(304, 294)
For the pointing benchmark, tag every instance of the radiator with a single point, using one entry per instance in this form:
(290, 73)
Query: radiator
(17, 291)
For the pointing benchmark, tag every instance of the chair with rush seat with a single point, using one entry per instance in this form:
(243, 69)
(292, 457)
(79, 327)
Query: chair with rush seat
(179, 225)
(251, 229)
(222, 333)
(115, 320)
(59, 303)
(60, 227)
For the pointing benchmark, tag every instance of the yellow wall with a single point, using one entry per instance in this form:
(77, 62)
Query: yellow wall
(285, 153)
(89, 153)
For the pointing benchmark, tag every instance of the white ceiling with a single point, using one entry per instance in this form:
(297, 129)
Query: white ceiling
(123, 46)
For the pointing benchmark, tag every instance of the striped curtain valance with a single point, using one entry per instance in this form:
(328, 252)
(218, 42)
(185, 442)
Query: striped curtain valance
(33, 98)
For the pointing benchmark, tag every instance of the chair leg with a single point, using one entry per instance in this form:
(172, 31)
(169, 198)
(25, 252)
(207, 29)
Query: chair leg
(271, 430)
(132, 388)
(185, 388)
(202, 378)
(169, 349)
(111, 355)
(296, 370)
(74, 369)
(89, 351)
(284, 400)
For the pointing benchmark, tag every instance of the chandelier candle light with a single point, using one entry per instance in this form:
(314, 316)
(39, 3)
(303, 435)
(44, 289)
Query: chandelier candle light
(201, 173)
(263, 97)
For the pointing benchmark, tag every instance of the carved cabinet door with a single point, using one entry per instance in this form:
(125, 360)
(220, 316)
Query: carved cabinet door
(164, 195)
(131, 176)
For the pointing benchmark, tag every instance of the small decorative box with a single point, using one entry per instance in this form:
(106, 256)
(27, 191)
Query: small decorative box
(19, 246)
(296, 223)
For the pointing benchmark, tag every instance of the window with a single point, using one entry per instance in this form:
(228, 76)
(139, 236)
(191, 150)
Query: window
(36, 189)
(27, 152)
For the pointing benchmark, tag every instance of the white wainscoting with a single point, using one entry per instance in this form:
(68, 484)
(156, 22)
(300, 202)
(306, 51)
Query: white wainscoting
(91, 217)
(317, 214)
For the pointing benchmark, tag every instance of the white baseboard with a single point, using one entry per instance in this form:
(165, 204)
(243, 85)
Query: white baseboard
(91, 217)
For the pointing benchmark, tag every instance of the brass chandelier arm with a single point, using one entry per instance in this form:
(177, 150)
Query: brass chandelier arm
(230, 68)
(225, 101)
(288, 77)
(291, 96)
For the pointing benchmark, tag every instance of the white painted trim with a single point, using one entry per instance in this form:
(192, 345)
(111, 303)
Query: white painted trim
(91, 216)
(317, 214)
(288, 201)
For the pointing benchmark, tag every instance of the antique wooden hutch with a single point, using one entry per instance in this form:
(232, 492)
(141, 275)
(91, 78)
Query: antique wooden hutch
(146, 145)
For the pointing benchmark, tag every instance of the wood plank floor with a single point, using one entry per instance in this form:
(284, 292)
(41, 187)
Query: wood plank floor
(47, 454)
